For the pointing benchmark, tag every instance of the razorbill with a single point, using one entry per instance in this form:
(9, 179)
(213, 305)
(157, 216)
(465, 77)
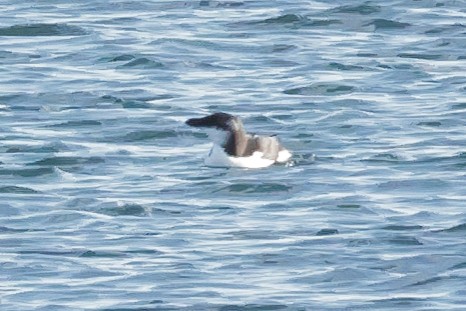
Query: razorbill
(233, 147)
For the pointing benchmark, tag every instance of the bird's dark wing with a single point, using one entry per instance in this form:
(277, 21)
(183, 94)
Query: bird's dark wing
(269, 146)
(246, 145)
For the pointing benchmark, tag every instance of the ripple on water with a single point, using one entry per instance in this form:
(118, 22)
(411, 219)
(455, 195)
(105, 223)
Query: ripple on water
(45, 148)
(404, 240)
(411, 184)
(253, 307)
(327, 231)
(320, 89)
(430, 123)
(67, 161)
(457, 228)
(383, 157)
(142, 63)
(34, 30)
(17, 189)
(420, 56)
(349, 206)
(73, 253)
(142, 135)
(284, 19)
(77, 123)
(294, 21)
(7, 210)
(382, 24)
(32, 172)
(343, 67)
(129, 209)
(402, 227)
(450, 29)
(121, 58)
(221, 4)
(400, 302)
(363, 9)
(140, 102)
(256, 188)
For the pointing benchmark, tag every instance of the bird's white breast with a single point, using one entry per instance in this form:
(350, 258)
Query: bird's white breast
(218, 158)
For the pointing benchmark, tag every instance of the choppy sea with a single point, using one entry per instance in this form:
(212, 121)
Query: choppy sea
(105, 203)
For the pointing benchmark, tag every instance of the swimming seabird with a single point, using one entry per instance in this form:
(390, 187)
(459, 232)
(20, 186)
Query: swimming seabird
(233, 147)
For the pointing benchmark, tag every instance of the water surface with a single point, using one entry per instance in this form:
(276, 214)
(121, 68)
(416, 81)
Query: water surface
(106, 205)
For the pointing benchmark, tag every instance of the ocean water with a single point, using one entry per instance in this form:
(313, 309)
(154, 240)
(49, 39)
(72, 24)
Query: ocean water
(105, 203)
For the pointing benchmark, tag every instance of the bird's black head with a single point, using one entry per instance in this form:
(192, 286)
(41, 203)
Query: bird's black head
(219, 120)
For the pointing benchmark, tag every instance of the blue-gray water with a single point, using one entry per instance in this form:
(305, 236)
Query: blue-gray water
(106, 205)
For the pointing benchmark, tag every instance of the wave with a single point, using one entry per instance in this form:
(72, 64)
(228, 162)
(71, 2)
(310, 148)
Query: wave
(220, 4)
(402, 227)
(76, 253)
(383, 157)
(34, 172)
(349, 206)
(121, 58)
(295, 21)
(78, 123)
(404, 240)
(12, 230)
(253, 307)
(148, 134)
(381, 23)
(344, 67)
(458, 228)
(139, 103)
(67, 161)
(47, 148)
(410, 184)
(459, 106)
(455, 160)
(256, 188)
(284, 19)
(455, 28)
(130, 209)
(362, 9)
(324, 232)
(142, 63)
(321, 89)
(420, 56)
(17, 189)
(47, 30)
(429, 123)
